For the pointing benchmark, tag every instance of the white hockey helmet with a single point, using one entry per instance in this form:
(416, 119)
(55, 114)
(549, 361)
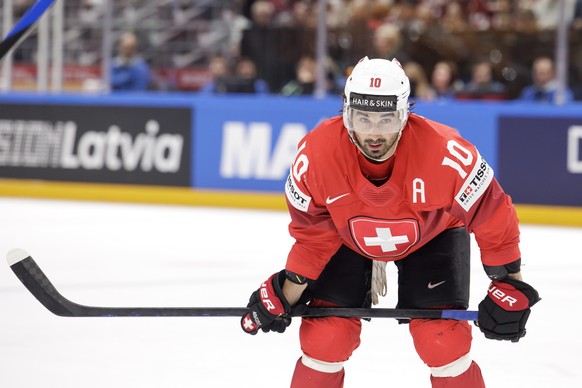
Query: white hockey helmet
(376, 86)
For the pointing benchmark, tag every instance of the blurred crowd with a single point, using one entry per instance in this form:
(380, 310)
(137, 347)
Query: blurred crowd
(449, 49)
(464, 49)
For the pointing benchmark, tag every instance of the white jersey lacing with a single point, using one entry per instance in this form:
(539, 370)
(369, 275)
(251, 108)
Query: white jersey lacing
(379, 283)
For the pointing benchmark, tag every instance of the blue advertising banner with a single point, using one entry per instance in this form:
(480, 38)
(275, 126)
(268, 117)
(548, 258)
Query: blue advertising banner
(540, 159)
(248, 144)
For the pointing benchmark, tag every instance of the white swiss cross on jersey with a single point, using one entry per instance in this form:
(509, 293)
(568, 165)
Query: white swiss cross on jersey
(384, 238)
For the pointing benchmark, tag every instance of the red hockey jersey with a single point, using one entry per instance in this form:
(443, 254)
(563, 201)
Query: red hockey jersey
(438, 180)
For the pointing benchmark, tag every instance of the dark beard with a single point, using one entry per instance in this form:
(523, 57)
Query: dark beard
(373, 154)
(375, 142)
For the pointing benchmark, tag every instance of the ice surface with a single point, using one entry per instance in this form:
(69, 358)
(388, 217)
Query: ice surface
(145, 255)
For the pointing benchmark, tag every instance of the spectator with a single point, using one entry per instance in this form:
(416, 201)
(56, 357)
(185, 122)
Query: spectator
(243, 80)
(503, 15)
(420, 88)
(424, 19)
(246, 72)
(544, 85)
(482, 85)
(299, 14)
(129, 71)
(454, 18)
(262, 13)
(525, 21)
(388, 43)
(304, 82)
(444, 80)
(273, 50)
(218, 68)
(306, 78)
(548, 12)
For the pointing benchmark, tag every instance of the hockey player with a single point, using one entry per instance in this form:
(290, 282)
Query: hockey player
(381, 184)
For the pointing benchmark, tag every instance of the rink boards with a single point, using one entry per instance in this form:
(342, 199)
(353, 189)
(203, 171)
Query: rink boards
(235, 151)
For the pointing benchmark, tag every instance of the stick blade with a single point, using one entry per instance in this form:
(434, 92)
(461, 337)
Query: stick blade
(32, 277)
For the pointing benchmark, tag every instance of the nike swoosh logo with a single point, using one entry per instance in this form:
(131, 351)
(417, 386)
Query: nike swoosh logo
(332, 200)
(431, 286)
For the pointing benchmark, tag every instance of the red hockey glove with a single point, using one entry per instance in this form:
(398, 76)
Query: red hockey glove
(268, 308)
(505, 310)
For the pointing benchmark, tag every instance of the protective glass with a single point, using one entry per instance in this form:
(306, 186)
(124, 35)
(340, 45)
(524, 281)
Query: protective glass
(375, 123)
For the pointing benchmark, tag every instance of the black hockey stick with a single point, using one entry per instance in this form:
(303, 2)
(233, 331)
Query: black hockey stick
(40, 286)
(24, 26)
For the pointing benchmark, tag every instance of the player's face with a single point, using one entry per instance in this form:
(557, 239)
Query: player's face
(376, 132)
(377, 146)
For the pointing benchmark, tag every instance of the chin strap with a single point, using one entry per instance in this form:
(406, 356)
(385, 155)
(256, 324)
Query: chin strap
(379, 283)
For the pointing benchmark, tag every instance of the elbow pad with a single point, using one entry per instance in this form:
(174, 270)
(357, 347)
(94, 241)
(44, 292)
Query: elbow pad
(498, 272)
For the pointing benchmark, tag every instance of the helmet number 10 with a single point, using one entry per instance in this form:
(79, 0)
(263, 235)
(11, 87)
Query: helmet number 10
(375, 82)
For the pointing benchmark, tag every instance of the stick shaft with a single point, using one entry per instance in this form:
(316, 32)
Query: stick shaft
(24, 26)
(34, 279)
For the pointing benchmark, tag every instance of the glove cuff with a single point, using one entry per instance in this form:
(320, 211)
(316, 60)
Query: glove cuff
(499, 272)
(278, 281)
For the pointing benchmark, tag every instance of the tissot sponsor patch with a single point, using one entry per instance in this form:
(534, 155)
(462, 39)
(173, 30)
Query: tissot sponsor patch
(475, 185)
(296, 197)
